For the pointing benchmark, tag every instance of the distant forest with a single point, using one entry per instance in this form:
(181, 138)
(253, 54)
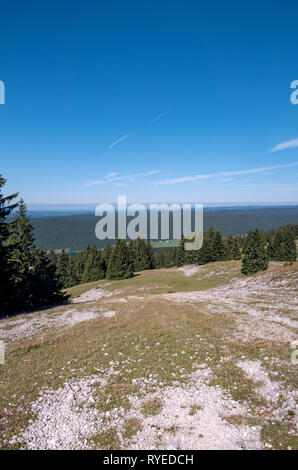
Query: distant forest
(75, 232)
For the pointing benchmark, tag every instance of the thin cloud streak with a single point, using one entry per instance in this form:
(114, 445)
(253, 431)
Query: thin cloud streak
(161, 116)
(111, 175)
(290, 144)
(118, 141)
(130, 178)
(188, 179)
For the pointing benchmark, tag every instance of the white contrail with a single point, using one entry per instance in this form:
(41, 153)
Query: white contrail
(161, 116)
(126, 177)
(119, 140)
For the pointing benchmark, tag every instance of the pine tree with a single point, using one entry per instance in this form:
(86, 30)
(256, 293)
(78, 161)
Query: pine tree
(22, 238)
(160, 258)
(63, 269)
(131, 247)
(282, 245)
(180, 253)
(79, 266)
(22, 255)
(150, 255)
(141, 257)
(235, 250)
(290, 248)
(171, 256)
(52, 257)
(255, 256)
(229, 246)
(73, 278)
(44, 286)
(219, 252)
(94, 267)
(34, 273)
(107, 250)
(119, 264)
(205, 253)
(6, 207)
(189, 256)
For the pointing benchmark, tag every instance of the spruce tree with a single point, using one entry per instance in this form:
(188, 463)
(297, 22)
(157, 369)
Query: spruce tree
(180, 253)
(235, 250)
(282, 245)
(52, 257)
(275, 248)
(150, 255)
(219, 252)
(205, 253)
(119, 264)
(290, 248)
(229, 246)
(6, 207)
(171, 256)
(131, 247)
(63, 269)
(255, 256)
(160, 258)
(94, 267)
(34, 274)
(22, 255)
(79, 266)
(44, 286)
(107, 250)
(141, 260)
(73, 278)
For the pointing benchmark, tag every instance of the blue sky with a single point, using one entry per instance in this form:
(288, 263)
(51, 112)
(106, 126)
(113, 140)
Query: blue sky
(163, 101)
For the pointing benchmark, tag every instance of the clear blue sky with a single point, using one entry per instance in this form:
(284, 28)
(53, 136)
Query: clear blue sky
(159, 101)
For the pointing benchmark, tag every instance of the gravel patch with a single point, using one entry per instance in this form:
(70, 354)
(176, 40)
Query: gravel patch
(203, 429)
(31, 324)
(189, 270)
(254, 371)
(66, 419)
(108, 314)
(265, 296)
(92, 295)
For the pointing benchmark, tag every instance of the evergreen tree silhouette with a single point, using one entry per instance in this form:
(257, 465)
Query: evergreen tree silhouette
(255, 256)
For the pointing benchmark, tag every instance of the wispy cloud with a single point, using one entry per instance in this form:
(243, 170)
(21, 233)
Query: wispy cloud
(111, 175)
(152, 172)
(161, 116)
(129, 178)
(224, 174)
(290, 144)
(119, 140)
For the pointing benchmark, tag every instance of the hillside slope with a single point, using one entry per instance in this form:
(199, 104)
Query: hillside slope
(188, 358)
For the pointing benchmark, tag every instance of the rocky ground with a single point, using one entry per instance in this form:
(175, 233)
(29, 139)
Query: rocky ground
(189, 358)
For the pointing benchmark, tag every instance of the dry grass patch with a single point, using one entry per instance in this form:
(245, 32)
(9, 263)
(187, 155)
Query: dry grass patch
(194, 409)
(151, 407)
(131, 427)
(106, 440)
